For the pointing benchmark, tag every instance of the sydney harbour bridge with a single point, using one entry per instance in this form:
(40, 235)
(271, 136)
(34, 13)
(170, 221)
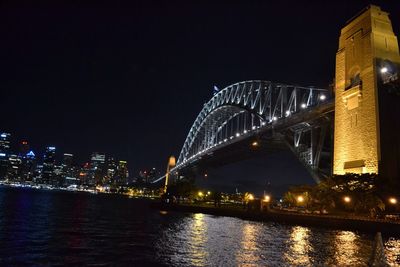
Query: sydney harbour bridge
(255, 117)
(349, 127)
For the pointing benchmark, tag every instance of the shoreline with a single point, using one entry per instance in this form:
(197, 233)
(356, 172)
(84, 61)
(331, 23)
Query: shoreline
(66, 190)
(326, 221)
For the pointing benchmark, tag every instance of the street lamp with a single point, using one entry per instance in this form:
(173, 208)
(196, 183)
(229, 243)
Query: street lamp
(384, 70)
(251, 197)
(254, 144)
(200, 194)
(322, 97)
(303, 105)
(300, 199)
(267, 198)
(347, 199)
(393, 200)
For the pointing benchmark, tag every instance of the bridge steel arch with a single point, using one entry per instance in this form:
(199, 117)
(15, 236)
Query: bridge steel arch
(256, 107)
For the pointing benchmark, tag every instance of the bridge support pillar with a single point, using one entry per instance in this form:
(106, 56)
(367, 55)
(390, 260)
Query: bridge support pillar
(365, 42)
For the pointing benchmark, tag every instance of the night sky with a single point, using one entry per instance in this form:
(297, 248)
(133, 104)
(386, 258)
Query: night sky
(129, 80)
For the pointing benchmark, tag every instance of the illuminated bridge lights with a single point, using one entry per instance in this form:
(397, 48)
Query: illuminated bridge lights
(238, 110)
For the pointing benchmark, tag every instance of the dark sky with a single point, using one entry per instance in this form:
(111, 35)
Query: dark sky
(129, 80)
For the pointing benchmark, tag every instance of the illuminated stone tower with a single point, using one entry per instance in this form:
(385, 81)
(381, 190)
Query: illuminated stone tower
(366, 42)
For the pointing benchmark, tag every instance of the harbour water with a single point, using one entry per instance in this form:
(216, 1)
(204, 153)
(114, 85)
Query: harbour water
(47, 228)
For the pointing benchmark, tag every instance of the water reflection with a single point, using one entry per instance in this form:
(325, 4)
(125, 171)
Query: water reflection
(299, 247)
(393, 251)
(197, 240)
(345, 247)
(248, 254)
(78, 229)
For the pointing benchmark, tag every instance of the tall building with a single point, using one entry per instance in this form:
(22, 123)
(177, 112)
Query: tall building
(69, 174)
(23, 148)
(97, 168)
(4, 153)
(49, 160)
(14, 168)
(122, 173)
(3, 165)
(5, 141)
(111, 172)
(28, 166)
(84, 174)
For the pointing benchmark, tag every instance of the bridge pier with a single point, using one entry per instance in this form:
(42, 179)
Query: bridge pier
(359, 108)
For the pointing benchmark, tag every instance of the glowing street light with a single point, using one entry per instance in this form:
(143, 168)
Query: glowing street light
(274, 118)
(393, 200)
(208, 193)
(251, 197)
(384, 70)
(254, 144)
(205, 175)
(200, 194)
(287, 112)
(267, 198)
(322, 97)
(303, 105)
(347, 199)
(300, 199)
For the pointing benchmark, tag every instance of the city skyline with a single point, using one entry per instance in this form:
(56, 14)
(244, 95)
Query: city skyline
(20, 164)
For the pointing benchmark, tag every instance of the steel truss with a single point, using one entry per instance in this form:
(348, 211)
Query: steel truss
(239, 110)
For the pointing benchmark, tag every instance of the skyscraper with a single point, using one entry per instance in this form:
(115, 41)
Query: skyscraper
(4, 153)
(69, 174)
(28, 166)
(122, 173)
(84, 174)
(111, 171)
(23, 148)
(97, 168)
(14, 168)
(5, 140)
(48, 165)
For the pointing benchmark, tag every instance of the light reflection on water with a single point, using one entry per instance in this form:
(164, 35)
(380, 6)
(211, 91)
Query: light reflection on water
(197, 240)
(345, 247)
(393, 251)
(298, 247)
(206, 240)
(39, 228)
(249, 252)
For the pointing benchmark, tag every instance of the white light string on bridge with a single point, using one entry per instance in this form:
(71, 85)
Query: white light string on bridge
(240, 110)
